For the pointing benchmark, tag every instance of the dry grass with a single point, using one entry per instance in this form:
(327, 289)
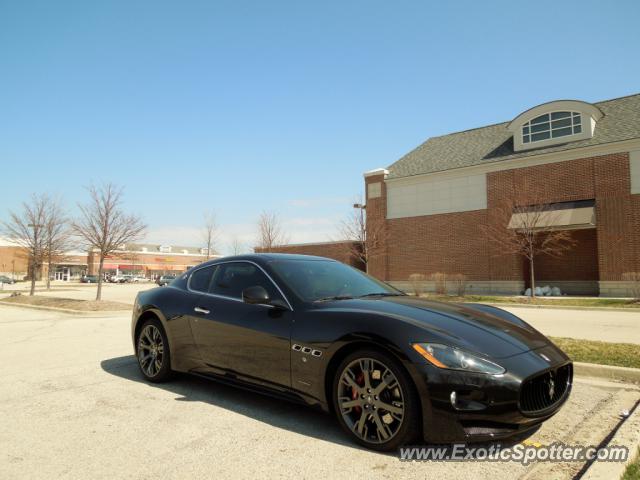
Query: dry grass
(68, 303)
(632, 471)
(603, 353)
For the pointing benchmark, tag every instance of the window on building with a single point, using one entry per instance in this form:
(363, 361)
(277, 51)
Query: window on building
(551, 125)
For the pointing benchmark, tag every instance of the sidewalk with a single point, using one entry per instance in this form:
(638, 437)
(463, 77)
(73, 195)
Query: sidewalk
(621, 326)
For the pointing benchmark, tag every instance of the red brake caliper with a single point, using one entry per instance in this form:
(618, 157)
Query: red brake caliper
(354, 392)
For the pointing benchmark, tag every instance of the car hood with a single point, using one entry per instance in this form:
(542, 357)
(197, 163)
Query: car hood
(497, 335)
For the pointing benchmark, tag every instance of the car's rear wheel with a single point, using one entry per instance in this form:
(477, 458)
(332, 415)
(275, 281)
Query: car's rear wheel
(375, 400)
(152, 350)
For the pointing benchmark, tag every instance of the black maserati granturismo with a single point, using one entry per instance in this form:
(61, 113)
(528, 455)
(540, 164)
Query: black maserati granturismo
(393, 368)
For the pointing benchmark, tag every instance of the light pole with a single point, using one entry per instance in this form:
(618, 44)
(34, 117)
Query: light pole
(363, 234)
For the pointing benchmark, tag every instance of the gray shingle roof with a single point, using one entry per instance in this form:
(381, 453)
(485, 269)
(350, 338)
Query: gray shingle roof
(621, 121)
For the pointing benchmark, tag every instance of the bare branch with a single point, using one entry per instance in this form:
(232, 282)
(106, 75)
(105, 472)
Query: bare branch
(57, 236)
(104, 227)
(529, 234)
(27, 229)
(210, 233)
(270, 232)
(236, 246)
(368, 233)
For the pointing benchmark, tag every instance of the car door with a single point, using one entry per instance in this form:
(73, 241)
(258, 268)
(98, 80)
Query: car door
(249, 341)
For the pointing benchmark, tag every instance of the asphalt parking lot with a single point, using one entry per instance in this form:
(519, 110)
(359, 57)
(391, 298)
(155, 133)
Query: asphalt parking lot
(74, 406)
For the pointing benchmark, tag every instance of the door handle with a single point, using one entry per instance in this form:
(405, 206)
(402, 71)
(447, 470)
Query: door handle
(201, 310)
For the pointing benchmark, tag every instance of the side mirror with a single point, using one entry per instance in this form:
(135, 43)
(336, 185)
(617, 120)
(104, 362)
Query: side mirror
(255, 296)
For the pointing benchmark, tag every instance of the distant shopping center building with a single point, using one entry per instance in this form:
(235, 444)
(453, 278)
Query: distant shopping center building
(579, 157)
(148, 260)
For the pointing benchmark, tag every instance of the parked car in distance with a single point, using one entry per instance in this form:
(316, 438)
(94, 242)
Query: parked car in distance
(7, 280)
(120, 278)
(138, 279)
(165, 280)
(393, 368)
(89, 279)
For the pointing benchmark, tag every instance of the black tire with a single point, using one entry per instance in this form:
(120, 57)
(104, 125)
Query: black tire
(152, 352)
(392, 429)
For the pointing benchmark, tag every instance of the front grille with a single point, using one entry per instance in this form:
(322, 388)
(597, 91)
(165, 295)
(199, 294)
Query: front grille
(545, 390)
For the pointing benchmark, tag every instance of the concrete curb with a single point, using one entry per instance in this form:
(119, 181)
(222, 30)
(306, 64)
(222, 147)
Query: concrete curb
(627, 435)
(565, 307)
(625, 374)
(63, 310)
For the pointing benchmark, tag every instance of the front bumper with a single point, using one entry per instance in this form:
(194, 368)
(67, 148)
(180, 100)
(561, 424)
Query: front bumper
(469, 407)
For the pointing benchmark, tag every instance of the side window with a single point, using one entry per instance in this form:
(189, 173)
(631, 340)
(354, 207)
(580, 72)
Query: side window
(232, 278)
(200, 279)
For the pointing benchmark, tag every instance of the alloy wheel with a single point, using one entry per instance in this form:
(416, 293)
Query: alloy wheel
(150, 350)
(371, 400)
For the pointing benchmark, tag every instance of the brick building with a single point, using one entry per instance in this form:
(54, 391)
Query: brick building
(571, 155)
(343, 251)
(14, 262)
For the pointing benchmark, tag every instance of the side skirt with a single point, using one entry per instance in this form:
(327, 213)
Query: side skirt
(279, 393)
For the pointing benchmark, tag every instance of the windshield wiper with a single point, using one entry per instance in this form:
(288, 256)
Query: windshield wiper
(382, 294)
(335, 297)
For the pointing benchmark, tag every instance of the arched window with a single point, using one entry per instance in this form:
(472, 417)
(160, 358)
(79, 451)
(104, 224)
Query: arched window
(551, 125)
(554, 123)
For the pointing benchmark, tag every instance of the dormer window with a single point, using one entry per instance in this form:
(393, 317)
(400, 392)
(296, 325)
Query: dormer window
(554, 123)
(551, 125)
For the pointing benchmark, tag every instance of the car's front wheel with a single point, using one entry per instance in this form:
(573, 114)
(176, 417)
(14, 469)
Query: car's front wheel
(375, 400)
(152, 350)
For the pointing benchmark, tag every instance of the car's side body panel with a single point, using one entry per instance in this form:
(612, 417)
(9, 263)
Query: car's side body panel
(251, 341)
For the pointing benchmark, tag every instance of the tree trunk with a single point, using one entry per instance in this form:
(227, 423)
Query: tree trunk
(533, 278)
(33, 279)
(49, 274)
(100, 267)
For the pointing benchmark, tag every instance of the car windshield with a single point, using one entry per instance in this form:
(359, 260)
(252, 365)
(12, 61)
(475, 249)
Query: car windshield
(319, 280)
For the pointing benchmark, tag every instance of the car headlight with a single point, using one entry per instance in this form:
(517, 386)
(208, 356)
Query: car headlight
(444, 356)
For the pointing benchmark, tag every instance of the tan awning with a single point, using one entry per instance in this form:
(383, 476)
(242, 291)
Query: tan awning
(556, 219)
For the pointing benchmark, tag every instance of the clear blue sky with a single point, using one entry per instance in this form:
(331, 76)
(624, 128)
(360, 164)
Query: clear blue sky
(242, 106)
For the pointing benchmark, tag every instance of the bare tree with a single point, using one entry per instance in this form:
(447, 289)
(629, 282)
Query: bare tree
(417, 283)
(633, 278)
(210, 233)
(104, 227)
(527, 231)
(57, 236)
(368, 233)
(236, 246)
(27, 229)
(270, 232)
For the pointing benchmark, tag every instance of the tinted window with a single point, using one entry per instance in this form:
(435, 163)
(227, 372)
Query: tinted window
(232, 278)
(317, 279)
(200, 279)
